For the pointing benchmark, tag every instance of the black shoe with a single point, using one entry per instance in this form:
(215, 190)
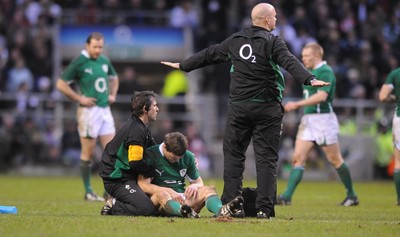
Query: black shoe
(106, 195)
(233, 208)
(188, 212)
(107, 208)
(347, 202)
(280, 200)
(262, 215)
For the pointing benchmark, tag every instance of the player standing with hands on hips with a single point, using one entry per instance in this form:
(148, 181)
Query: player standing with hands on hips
(392, 83)
(255, 110)
(319, 125)
(98, 84)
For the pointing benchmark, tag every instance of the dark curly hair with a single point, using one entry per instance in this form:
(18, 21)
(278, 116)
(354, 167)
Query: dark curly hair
(140, 99)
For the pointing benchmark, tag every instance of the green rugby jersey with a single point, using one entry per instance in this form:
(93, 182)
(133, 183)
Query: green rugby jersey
(91, 75)
(171, 175)
(394, 79)
(324, 73)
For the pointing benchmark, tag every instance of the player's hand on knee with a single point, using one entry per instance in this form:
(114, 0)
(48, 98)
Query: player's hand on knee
(191, 191)
(178, 197)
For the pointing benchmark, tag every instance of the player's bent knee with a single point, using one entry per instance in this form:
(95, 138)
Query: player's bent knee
(210, 190)
(162, 198)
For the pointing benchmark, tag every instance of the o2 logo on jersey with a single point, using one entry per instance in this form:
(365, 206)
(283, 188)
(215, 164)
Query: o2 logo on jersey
(249, 54)
(100, 84)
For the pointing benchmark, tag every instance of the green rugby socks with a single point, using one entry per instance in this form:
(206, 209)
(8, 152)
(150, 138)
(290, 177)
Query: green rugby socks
(86, 172)
(173, 208)
(396, 178)
(296, 174)
(213, 204)
(344, 174)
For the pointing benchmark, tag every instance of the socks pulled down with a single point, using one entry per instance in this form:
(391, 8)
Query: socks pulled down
(173, 208)
(86, 173)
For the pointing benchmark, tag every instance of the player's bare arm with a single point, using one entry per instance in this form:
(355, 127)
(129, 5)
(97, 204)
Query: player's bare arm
(385, 94)
(317, 98)
(171, 64)
(151, 189)
(193, 188)
(114, 85)
(72, 95)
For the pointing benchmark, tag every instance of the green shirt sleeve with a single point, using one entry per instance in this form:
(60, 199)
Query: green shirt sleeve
(192, 172)
(71, 72)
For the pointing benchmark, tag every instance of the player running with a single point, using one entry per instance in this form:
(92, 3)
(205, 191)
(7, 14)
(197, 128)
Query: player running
(392, 83)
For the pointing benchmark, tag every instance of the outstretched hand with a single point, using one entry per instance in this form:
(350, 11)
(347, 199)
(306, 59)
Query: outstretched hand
(171, 64)
(319, 83)
(290, 106)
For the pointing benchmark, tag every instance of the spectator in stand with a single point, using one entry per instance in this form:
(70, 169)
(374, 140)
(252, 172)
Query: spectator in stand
(5, 141)
(32, 138)
(199, 149)
(301, 21)
(70, 144)
(184, 15)
(19, 75)
(3, 60)
(51, 11)
(129, 81)
(32, 11)
(285, 30)
(87, 12)
(51, 145)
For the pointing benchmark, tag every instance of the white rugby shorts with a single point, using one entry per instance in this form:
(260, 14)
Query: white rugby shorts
(396, 131)
(95, 121)
(323, 129)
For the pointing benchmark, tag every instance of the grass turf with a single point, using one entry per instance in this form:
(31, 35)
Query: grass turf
(54, 206)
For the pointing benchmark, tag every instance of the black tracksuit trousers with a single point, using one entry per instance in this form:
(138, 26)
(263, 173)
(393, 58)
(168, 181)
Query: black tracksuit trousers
(262, 122)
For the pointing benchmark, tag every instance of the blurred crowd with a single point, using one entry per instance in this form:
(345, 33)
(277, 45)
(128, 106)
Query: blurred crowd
(361, 39)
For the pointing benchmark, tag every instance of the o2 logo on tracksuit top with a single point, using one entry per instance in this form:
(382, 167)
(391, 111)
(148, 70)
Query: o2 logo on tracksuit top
(250, 53)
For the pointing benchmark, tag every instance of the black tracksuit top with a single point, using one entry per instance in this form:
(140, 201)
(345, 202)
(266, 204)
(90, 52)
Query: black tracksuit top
(115, 165)
(256, 56)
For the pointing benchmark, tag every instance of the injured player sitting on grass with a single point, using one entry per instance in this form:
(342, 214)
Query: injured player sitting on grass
(172, 163)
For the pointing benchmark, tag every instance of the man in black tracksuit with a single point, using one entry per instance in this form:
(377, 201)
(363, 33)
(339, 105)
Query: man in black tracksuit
(122, 160)
(255, 110)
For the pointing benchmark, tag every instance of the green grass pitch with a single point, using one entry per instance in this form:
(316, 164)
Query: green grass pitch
(54, 206)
